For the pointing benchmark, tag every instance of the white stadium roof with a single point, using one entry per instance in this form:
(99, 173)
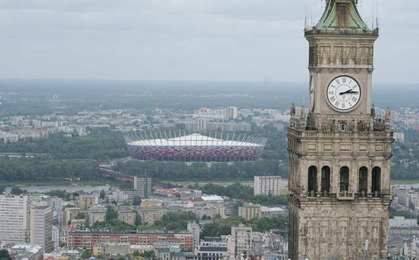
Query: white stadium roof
(193, 140)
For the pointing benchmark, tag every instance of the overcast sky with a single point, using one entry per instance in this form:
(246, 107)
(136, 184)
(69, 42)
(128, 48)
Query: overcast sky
(187, 39)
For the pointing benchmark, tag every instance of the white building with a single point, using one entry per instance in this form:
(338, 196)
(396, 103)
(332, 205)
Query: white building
(41, 227)
(14, 219)
(269, 185)
(26, 252)
(56, 237)
(212, 250)
(6, 137)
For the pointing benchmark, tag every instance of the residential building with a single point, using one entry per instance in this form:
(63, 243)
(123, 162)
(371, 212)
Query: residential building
(249, 211)
(127, 215)
(212, 249)
(14, 219)
(96, 214)
(143, 186)
(41, 227)
(56, 237)
(26, 252)
(402, 230)
(269, 185)
(272, 212)
(89, 239)
(152, 214)
(70, 214)
(239, 243)
(86, 201)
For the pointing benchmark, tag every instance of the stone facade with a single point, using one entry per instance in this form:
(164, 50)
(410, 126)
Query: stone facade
(339, 161)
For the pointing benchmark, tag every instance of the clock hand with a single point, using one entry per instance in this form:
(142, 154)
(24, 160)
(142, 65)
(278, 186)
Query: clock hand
(350, 91)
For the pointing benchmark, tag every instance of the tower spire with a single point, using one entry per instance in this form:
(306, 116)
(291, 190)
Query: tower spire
(342, 14)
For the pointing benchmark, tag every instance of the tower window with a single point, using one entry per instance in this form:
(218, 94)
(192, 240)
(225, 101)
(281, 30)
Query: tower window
(312, 179)
(344, 179)
(363, 180)
(376, 180)
(325, 179)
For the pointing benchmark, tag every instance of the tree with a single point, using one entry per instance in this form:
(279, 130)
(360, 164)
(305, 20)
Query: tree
(17, 191)
(87, 253)
(137, 219)
(111, 214)
(148, 254)
(101, 144)
(47, 170)
(136, 201)
(176, 221)
(4, 255)
(102, 195)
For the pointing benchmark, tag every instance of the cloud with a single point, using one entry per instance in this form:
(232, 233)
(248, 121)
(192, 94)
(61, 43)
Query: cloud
(185, 39)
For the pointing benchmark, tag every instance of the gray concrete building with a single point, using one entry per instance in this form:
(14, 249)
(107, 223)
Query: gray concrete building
(143, 186)
(239, 243)
(41, 227)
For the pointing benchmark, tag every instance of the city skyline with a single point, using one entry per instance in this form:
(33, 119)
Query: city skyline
(185, 40)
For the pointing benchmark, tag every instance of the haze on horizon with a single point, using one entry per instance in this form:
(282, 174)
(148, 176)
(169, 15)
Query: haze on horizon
(244, 40)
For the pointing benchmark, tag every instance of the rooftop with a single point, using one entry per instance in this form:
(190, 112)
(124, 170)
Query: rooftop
(341, 14)
(194, 140)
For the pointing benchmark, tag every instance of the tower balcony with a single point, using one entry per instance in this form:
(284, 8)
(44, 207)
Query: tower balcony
(311, 124)
(347, 196)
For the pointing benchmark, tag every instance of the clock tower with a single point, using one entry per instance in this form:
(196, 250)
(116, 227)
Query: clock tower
(339, 147)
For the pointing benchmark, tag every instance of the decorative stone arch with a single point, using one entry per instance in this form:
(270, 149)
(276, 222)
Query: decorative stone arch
(325, 179)
(312, 179)
(376, 180)
(363, 180)
(344, 179)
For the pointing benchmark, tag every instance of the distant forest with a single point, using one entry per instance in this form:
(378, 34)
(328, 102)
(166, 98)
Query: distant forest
(53, 96)
(61, 157)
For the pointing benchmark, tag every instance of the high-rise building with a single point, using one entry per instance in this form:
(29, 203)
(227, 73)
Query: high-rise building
(56, 237)
(339, 148)
(269, 185)
(14, 219)
(143, 186)
(41, 227)
(239, 244)
(195, 230)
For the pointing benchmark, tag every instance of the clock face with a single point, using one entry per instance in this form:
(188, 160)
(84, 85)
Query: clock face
(344, 93)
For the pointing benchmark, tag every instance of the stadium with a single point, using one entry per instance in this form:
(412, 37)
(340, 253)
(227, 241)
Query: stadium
(197, 147)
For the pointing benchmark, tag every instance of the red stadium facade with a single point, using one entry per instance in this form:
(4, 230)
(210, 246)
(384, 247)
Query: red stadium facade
(195, 147)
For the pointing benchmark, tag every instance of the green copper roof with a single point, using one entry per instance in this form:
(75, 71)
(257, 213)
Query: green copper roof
(341, 14)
